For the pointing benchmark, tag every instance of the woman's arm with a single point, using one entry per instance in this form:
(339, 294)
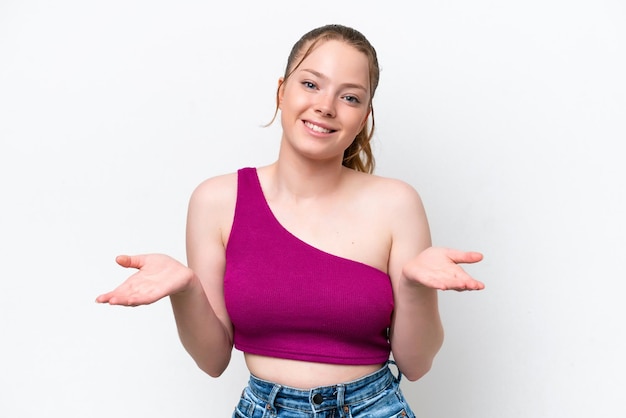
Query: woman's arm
(203, 324)
(196, 291)
(417, 271)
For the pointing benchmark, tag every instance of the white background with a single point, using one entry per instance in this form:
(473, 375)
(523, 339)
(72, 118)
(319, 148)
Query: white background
(508, 117)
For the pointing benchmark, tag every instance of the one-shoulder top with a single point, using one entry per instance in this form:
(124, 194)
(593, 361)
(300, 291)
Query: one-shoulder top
(288, 299)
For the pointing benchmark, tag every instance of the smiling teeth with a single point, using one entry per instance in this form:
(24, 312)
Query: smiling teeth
(317, 128)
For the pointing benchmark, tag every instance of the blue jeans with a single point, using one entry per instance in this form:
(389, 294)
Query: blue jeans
(376, 395)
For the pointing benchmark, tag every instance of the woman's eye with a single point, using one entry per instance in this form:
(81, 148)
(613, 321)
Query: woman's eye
(308, 84)
(352, 99)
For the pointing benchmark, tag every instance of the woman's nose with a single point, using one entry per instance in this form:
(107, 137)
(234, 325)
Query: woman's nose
(325, 106)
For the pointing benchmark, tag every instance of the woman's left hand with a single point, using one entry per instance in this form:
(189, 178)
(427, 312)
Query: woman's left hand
(438, 268)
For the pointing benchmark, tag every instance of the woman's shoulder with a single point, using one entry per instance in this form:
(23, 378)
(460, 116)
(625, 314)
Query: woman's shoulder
(219, 191)
(391, 203)
(217, 183)
(388, 190)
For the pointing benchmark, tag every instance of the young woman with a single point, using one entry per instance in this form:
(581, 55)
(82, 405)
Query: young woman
(317, 269)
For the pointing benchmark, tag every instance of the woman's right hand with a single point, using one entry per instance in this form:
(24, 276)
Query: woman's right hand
(159, 275)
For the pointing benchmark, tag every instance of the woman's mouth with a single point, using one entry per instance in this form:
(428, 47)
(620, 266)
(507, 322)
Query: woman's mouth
(317, 128)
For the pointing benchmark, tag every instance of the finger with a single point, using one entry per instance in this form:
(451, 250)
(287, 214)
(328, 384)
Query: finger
(470, 283)
(113, 295)
(474, 256)
(132, 300)
(104, 298)
(129, 261)
(112, 300)
(461, 281)
(473, 285)
(464, 256)
(119, 301)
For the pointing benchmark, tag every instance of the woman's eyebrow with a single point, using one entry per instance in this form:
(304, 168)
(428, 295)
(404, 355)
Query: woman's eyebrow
(323, 77)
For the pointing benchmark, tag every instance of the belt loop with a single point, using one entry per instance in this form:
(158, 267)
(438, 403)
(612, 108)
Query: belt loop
(341, 391)
(271, 399)
(397, 368)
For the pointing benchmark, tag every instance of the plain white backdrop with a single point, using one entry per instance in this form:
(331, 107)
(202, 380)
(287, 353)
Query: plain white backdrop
(509, 118)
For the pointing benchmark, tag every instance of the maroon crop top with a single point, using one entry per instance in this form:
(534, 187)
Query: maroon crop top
(288, 299)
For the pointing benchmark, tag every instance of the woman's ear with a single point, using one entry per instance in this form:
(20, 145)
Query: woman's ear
(281, 82)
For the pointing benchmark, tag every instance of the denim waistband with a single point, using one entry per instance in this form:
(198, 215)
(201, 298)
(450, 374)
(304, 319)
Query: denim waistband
(324, 397)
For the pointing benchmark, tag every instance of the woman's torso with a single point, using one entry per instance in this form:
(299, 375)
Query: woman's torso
(349, 223)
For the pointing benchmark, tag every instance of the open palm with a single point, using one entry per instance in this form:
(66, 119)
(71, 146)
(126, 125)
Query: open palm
(158, 275)
(438, 268)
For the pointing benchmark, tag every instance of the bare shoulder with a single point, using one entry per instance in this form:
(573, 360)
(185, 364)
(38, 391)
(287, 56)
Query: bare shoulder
(212, 207)
(404, 212)
(398, 188)
(393, 194)
(215, 191)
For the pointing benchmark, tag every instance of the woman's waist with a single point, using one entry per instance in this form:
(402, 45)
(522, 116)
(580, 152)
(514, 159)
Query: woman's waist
(304, 374)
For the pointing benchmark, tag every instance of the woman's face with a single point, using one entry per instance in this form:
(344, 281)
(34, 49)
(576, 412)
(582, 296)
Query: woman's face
(325, 102)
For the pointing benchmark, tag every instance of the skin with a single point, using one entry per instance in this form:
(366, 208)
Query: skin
(371, 219)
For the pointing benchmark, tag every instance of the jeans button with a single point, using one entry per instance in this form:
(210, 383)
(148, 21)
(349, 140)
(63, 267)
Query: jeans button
(318, 399)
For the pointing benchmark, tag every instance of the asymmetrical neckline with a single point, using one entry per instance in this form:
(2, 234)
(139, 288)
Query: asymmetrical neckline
(287, 232)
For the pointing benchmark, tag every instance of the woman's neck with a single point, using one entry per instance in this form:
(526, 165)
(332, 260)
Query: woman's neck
(300, 180)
